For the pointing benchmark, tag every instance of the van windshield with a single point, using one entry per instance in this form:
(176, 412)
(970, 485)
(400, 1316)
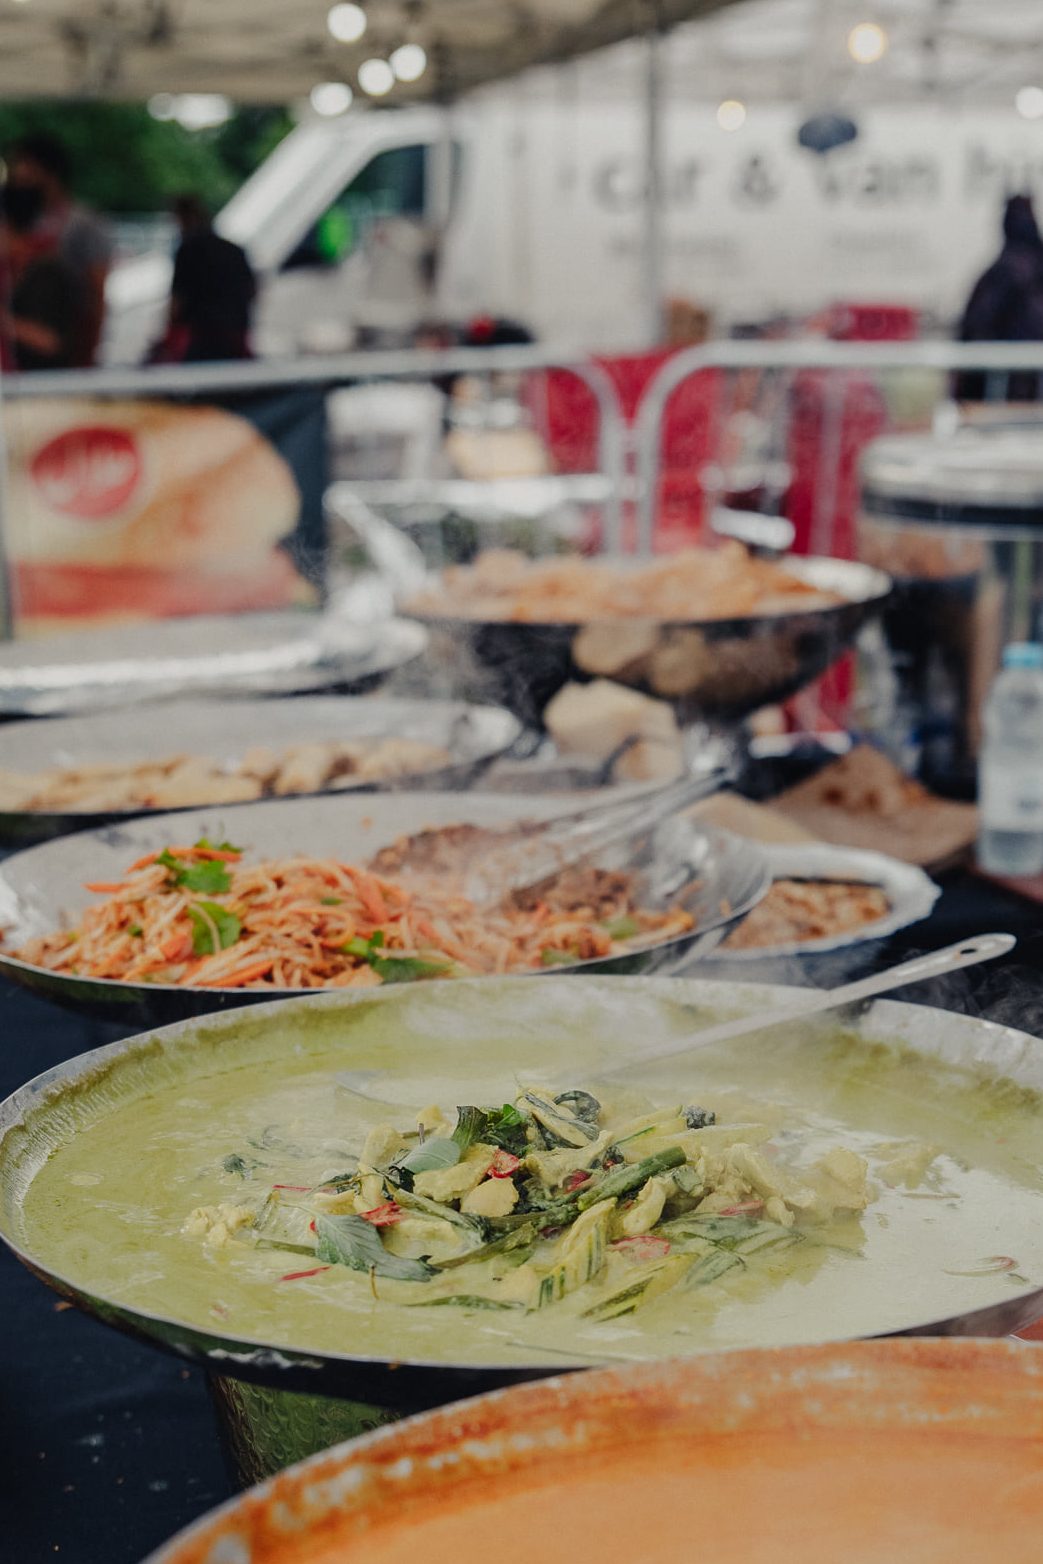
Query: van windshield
(393, 184)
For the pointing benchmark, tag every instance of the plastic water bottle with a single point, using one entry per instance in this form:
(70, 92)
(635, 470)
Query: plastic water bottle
(1010, 775)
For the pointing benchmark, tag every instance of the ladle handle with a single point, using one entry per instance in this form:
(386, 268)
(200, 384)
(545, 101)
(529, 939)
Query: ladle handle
(953, 958)
(936, 963)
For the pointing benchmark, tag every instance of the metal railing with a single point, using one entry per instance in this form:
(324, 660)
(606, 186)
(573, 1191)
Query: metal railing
(628, 457)
(996, 361)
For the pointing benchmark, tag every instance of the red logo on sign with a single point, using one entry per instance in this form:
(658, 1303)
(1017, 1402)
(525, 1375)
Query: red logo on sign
(88, 473)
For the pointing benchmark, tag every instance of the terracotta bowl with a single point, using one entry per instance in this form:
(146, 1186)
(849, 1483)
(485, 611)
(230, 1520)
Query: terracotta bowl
(890, 1452)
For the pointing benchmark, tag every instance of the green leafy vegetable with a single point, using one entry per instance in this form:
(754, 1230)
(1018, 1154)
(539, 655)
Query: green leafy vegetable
(214, 928)
(549, 957)
(211, 877)
(136, 931)
(622, 928)
(348, 1240)
(331, 901)
(435, 1153)
(392, 969)
(363, 948)
(218, 847)
(234, 1163)
(470, 1127)
(507, 1129)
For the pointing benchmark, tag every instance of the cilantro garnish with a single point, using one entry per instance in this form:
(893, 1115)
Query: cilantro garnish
(210, 877)
(392, 969)
(214, 928)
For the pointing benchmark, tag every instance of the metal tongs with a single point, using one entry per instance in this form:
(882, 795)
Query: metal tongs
(525, 858)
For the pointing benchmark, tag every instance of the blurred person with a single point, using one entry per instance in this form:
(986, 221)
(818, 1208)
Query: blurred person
(212, 293)
(1006, 303)
(41, 163)
(45, 309)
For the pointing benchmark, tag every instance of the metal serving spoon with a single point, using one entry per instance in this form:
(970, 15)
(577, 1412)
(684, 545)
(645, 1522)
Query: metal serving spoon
(952, 958)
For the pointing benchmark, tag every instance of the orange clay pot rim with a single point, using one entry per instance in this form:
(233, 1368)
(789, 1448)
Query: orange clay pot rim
(937, 1385)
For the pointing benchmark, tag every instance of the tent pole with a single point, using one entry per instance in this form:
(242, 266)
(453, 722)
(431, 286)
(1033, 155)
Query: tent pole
(652, 246)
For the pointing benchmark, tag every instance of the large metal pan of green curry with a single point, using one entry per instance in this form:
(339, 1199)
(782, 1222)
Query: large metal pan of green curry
(391, 1200)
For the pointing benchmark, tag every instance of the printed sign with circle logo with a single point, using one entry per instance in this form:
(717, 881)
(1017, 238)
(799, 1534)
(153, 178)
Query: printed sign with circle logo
(89, 472)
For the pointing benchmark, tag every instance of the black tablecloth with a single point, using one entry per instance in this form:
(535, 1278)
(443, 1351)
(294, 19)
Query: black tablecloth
(107, 1447)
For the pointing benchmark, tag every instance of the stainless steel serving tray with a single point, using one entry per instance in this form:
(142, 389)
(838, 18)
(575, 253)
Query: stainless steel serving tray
(43, 1114)
(717, 668)
(717, 876)
(253, 654)
(222, 732)
(910, 892)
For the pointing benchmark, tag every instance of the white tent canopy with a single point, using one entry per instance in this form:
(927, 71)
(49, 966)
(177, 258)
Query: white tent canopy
(951, 51)
(949, 54)
(277, 50)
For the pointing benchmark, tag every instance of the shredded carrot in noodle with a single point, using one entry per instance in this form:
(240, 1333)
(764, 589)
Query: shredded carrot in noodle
(310, 923)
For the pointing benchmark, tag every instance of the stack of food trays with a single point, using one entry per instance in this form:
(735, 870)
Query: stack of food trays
(353, 1205)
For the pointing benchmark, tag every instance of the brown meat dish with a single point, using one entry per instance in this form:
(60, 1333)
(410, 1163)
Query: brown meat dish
(449, 851)
(445, 850)
(798, 910)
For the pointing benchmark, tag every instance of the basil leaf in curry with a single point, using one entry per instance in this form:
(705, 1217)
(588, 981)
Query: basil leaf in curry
(435, 1153)
(348, 1240)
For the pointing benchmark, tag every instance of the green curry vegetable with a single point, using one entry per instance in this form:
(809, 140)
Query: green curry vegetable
(524, 1205)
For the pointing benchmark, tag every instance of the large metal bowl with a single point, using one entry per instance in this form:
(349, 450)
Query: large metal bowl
(473, 736)
(716, 668)
(488, 1026)
(745, 1442)
(718, 877)
(228, 654)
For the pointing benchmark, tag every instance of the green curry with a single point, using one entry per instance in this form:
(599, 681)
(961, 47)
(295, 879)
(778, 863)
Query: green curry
(288, 1180)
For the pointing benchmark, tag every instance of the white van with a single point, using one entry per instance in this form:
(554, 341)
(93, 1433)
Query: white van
(535, 205)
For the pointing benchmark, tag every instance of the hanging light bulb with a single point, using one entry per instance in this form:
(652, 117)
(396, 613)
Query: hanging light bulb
(330, 98)
(346, 22)
(162, 105)
(409, 62)
(1029, 102)
(731, 114)
(376, 78)
(867, 42)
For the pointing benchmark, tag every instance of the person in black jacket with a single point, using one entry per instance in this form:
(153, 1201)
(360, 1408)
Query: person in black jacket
(211, 295)
(1006, 304)
(43, 312)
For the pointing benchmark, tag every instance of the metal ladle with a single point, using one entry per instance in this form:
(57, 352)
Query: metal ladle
(952, 958)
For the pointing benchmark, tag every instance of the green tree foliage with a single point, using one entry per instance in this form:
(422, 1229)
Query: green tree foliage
(125, 161)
